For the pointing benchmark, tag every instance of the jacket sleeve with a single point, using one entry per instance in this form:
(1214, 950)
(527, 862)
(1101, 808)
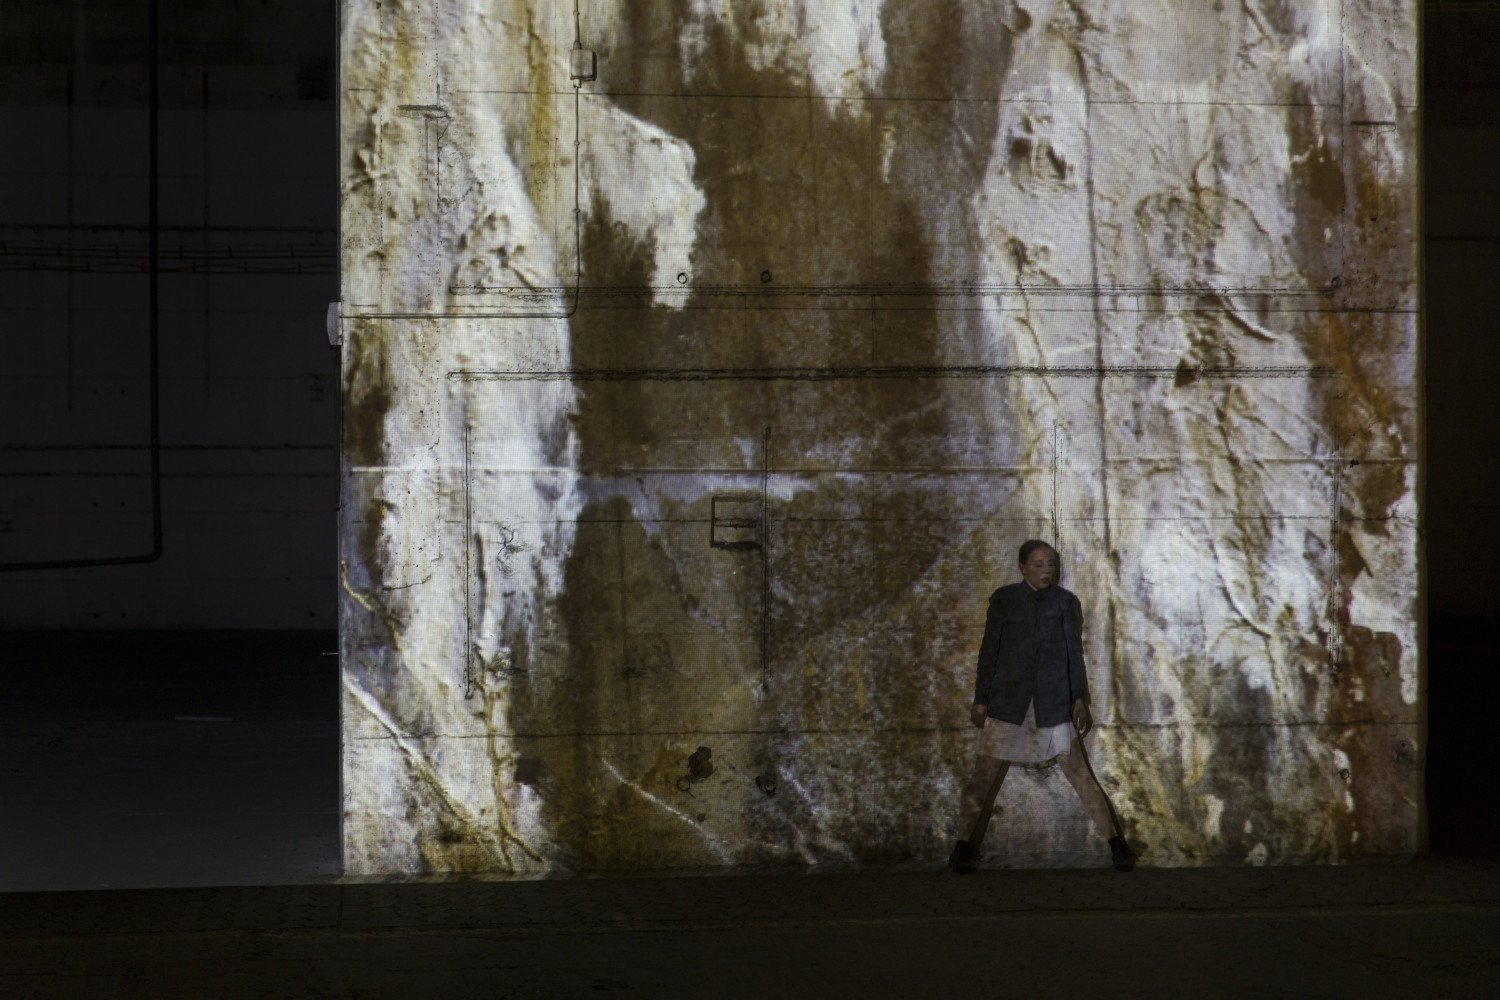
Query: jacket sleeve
(989, 651)
(1078, 675)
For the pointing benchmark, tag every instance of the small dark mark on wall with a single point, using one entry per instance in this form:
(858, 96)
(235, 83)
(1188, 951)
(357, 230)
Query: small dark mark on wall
(406, 586)
(1405, 752)
(529, 770)
(700, 766)
(734, 522)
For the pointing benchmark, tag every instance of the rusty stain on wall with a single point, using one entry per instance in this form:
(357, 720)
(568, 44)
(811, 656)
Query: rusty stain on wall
(692, 412)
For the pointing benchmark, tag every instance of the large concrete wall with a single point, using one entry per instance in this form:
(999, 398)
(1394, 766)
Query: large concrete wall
(702, 405)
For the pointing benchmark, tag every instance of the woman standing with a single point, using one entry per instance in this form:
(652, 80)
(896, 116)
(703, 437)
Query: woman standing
(1031, 701)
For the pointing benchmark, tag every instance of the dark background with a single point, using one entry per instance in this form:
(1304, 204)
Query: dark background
(205, 587)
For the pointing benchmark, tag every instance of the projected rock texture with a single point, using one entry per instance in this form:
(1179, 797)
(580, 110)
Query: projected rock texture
(703, 404)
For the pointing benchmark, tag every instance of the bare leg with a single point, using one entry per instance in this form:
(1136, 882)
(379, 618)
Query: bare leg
(1075, 767)
(979, 799)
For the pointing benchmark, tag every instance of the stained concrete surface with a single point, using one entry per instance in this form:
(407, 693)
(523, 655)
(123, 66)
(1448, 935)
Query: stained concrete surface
(900, 283)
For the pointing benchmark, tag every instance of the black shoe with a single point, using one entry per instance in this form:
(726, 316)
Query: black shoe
(1119, 853)
(962, 858)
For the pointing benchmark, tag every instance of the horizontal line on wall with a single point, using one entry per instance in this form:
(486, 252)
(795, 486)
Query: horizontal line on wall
(169, 475)
(624, 473)
(328, 232)
(1000, 300)
(140, 312)
(742, 471)
(891, 290)
(699, 522)
(1173, 462)
(165, 447)
(892, 730)
(1071, 472)
(1028, 308)
(1318, 517)
(221, 268)
(882, 99)
(890, 372)
(301, 377)
(106, 578)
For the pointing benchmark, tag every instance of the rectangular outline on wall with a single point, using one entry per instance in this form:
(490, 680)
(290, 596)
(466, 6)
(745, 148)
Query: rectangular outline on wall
(1335, 460)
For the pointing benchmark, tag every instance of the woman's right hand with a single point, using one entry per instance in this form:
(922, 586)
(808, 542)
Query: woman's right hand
(977, 715)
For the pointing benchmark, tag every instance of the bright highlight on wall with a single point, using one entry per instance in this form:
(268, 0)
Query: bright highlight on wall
(692, 413)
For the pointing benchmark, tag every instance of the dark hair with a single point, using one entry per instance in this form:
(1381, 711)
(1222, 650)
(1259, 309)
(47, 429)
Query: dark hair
(1030, 546)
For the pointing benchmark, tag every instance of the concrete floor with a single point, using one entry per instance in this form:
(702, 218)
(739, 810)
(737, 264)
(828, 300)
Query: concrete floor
(134, 760)
(208, 764)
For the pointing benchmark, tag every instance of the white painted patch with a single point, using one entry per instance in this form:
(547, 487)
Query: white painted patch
(1213, 812)
(646, 176)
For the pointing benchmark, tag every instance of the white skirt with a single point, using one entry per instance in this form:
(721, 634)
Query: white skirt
(1025, 744)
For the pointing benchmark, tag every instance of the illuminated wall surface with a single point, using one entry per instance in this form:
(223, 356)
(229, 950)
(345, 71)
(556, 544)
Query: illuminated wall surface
(704, 403)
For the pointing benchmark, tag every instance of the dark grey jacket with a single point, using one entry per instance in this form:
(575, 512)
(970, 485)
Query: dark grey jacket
(1011, 672)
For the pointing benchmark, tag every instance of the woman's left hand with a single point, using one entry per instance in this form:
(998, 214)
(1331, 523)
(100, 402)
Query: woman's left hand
(1082, 721)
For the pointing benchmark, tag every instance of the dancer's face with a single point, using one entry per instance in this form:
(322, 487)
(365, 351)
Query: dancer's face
(1040, 568)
